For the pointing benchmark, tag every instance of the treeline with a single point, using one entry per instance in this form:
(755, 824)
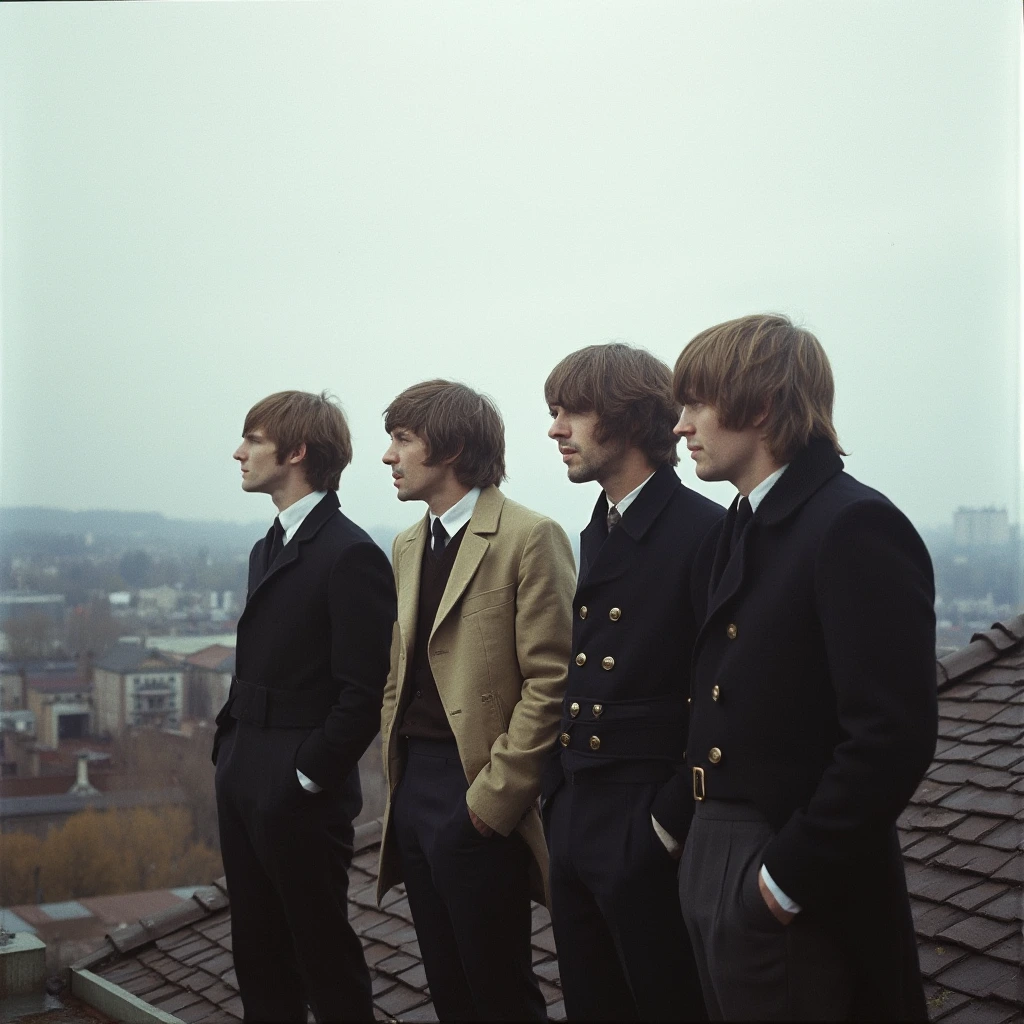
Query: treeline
(104, 852)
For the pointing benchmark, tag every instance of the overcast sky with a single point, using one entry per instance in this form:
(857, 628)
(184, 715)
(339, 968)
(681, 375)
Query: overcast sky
(203, 203)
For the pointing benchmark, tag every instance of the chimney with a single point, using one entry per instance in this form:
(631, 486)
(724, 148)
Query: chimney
(82, 786)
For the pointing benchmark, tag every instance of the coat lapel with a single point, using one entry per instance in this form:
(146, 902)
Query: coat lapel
(812, 467)
(317, 516)
(606, 559)
(471, 551)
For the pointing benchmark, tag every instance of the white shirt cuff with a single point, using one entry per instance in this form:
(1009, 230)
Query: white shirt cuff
(667, 840)
(307, 783)
(790, 906)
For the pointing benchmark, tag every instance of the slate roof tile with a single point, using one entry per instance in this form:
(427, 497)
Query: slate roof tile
(1007, 907)
(200, 1010)
(982, 800)
(972, 898)
(977, 932)
(936, 957)
(400, 999)
(980, 977)
(928, 847)
(942, 1001)
(973, 828)
(982, 860)
(985, 1013)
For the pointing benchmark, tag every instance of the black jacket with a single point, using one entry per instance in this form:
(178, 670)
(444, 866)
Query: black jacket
(814, 697)
(314, 642)
(633, 628)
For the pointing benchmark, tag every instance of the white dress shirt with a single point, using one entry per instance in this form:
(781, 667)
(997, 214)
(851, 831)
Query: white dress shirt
(291, 519)
(458, 515)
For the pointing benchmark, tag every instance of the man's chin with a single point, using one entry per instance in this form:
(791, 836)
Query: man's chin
(580, 474)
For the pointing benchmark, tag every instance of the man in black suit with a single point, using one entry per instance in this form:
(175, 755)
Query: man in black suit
(616, 790)
(813, 714)
(311, 662)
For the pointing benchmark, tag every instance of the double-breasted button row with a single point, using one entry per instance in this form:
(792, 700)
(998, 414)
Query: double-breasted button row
(595, 741)
(574, 709)
(615, 614)
(607, 663)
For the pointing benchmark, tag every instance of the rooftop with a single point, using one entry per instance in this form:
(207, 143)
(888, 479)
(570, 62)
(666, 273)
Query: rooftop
(134, 658)
(961, 836)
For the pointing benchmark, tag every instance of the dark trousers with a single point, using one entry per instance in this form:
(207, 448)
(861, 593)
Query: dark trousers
(623, 950)
(752, 966)
(469, 894)
(286, 857)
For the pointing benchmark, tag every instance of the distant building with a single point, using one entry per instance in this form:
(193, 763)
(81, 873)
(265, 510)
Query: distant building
(135, 686)
(18, 605)
(157, 601)
(208, 676)
(981, 527)
(61, 701)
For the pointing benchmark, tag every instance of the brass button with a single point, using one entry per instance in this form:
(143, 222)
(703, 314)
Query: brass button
(715, 693)
(714, 755)
(608, 663)
(574, 709)
(564, 739)
(597, 709)
(731, 631)
(583, 611)
(595, 743)
(581, 659)
(615, 614)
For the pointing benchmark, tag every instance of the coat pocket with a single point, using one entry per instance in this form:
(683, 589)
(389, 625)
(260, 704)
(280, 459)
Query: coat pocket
(488, 599)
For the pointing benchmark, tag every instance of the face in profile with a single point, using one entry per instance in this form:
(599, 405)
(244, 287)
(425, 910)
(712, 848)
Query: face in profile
(584, 456)
(717, 452)
(407, 456)
(257, 456)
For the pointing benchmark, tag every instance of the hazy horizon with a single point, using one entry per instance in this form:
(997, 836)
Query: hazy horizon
(203, 203)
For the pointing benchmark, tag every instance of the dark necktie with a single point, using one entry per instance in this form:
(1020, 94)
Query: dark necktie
(744, 513)
(439, 538)
(276, 543)
(613, 518)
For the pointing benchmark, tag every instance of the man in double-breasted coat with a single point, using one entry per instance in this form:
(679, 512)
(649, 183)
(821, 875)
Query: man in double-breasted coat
(311, 661)
(814, 703)
(471, 705)
(616, 790)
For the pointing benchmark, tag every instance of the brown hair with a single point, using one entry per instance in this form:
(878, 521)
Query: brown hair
(291, 418)
(762, 364)
(457, 423)
(628, 388)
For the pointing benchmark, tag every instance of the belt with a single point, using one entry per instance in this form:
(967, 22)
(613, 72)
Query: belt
(270, 707)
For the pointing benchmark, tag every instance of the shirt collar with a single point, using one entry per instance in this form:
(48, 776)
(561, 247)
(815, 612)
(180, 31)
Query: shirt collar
(459, 514)
(623, 503)
(756, 496)
(291, 518)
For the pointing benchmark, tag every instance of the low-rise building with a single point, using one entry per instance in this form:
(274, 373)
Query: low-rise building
(208, 675)
(61, 700)
(137, 686)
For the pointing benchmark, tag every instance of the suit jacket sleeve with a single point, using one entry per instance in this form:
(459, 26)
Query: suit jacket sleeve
(361, 605)
(874, 597)
(507, 786)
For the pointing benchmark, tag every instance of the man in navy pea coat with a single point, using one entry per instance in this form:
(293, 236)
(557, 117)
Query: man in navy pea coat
(813, 715)
(617, 794)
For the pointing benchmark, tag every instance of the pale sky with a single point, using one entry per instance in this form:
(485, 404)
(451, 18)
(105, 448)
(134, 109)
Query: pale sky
(203, 203)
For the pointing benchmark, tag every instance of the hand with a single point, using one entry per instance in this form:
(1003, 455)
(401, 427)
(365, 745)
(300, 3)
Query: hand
(480, 825)
(782, 916)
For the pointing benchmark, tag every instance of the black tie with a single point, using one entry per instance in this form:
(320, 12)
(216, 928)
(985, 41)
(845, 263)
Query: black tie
(276, 543)
(613, 518)
(744, 513)
(439, 537)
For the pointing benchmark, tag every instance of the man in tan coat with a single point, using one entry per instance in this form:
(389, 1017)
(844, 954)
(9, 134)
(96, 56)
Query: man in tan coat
(472, 702)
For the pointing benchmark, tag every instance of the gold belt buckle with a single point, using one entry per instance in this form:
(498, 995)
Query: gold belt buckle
(698, 784)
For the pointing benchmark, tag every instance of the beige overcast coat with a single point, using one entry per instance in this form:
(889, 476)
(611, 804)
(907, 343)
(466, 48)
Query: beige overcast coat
(498, 650)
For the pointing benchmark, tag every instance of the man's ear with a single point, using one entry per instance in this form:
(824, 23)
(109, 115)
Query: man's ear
(761, 418)
(297, 454)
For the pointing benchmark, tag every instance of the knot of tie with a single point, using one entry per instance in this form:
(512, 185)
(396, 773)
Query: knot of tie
(439, 536)
(614, 518)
